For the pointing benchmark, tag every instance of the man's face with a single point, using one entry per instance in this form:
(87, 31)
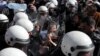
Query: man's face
(89, 10)
(37, 28)
(86, 28)
(32, 7)
(72, 6)
(51, 9)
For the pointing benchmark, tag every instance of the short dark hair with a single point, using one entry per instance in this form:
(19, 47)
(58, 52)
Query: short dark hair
(88, 20)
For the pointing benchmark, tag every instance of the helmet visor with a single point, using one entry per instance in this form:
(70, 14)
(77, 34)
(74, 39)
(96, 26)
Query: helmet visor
(90, 53)
(85, 50)
(43, 13)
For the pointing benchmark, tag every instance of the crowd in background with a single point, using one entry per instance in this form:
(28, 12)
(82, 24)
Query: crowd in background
(38, 26)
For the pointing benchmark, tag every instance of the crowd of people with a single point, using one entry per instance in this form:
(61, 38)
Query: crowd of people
(49, 28)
